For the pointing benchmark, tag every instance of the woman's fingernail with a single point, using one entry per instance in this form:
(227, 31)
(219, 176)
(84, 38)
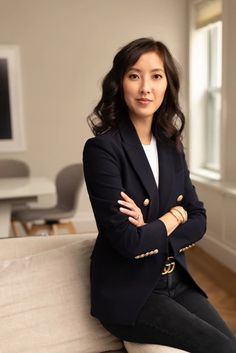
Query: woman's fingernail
(119, 201)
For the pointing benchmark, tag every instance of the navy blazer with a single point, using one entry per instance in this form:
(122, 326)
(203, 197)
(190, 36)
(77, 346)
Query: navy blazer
(127, 261)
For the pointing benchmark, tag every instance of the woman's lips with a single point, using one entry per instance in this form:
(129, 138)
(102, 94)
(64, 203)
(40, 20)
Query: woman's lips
(144, 101)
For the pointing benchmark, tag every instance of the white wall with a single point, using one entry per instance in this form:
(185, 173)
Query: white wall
(66, 47)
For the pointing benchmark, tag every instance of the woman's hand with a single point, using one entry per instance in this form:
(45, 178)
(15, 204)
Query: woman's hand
(130, 209)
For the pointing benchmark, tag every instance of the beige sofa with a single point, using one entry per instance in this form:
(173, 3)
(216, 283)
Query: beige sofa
(44, 299)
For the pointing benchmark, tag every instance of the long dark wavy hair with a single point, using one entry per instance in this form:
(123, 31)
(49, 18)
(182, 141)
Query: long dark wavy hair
(168, 120)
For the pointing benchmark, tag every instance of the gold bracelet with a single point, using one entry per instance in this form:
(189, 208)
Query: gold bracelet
(185, 216)
(173, 214)
(182, 216)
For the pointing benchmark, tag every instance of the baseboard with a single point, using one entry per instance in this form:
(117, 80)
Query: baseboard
(220, 251)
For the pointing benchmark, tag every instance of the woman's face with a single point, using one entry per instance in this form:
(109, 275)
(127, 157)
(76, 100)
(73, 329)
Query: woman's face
(144, 86)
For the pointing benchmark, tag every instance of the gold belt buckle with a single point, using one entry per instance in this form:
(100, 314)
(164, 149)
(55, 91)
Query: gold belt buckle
(169, 266)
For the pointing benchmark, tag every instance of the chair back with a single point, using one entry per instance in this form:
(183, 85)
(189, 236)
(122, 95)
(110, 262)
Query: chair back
(10, 168)
(68, 184)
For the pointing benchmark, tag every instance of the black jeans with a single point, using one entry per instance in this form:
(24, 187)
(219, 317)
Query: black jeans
(178, 315)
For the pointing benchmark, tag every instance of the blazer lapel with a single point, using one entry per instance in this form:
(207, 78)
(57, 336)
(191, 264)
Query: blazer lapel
(159, 198)
(139, 161)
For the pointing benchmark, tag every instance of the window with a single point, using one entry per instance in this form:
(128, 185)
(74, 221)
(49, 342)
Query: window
(213, 97)
(206, 89)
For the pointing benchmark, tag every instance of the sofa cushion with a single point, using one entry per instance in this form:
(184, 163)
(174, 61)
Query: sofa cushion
(44, 299)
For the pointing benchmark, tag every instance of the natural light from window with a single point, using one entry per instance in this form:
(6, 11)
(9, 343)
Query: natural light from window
(206, 91)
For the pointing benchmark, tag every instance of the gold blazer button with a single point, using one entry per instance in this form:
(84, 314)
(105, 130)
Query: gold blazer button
(180, 198)
(146, 202)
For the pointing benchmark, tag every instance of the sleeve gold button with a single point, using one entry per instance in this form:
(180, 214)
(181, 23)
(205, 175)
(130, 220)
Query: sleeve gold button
(146, 202)
(180, 198)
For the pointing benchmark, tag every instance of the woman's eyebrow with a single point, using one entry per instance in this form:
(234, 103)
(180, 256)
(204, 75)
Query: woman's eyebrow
(138, 70)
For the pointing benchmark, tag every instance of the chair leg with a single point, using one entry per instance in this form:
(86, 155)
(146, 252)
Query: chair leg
(14, 228)
(26, 228)
(71, 228)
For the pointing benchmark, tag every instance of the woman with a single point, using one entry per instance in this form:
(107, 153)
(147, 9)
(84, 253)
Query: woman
(146, 209)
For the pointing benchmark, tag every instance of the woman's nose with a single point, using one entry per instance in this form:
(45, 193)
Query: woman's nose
(145, 87)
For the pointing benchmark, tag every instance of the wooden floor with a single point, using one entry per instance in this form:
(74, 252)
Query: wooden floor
(217, 280)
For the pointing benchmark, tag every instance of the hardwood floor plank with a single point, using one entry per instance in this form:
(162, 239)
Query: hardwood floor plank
(218, 281)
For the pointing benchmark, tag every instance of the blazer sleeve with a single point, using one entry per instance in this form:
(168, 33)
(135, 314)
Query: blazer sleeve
(103, 177)
(193, 230)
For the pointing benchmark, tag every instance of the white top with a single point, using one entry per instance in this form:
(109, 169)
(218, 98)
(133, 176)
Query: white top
(152, 156)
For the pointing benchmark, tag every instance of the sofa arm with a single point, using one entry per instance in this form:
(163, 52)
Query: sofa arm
(45, 299)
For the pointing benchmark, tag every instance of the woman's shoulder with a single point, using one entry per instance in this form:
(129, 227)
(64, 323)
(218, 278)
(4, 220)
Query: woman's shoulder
(108, 140)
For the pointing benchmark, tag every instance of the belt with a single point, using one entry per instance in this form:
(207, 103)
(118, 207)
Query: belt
(169, 266)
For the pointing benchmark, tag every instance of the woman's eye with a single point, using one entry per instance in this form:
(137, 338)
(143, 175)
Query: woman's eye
(133, 76)
(157, 77)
